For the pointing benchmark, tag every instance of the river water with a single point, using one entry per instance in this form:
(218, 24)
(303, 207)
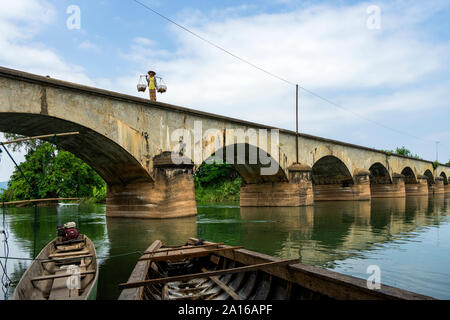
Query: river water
(409, 239)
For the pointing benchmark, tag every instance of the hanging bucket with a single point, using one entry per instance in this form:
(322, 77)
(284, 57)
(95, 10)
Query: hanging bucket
(142, 84)
(162, 87)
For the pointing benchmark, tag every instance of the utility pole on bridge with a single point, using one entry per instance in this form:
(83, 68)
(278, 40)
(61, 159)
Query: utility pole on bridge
(296, 123)
(437, 158)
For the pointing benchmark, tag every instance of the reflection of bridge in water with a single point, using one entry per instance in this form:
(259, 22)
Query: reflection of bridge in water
(340, 230)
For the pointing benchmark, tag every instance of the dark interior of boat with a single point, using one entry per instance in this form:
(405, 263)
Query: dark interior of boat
(250, 285)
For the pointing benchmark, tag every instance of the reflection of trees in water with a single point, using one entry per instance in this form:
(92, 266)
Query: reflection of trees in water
(19, 268)
(220, 224)
(331, 231)
(90, 221)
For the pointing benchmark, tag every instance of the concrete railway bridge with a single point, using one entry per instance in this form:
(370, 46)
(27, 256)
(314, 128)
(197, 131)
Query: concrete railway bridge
(148, 151)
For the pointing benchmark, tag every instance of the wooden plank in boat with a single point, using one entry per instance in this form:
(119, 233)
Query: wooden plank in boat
(183, 248)
(165, 292)
(59, 290)
(214, 259)
(67, 254)
(68, 258)
(226, 288)
(70, 247)
(207, 274)
(139, 273)
(178, 256)
(329, 283)
(56, 276)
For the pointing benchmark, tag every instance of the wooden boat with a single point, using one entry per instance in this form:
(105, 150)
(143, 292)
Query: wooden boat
(201, 270)
(63, 270)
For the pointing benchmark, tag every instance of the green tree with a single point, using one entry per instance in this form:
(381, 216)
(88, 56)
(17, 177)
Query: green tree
(216, 182)
(403, 152)
(52, 173)
(215, 173)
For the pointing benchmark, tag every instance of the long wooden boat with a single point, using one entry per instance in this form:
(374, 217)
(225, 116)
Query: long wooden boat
(201, 270)
(63, 270)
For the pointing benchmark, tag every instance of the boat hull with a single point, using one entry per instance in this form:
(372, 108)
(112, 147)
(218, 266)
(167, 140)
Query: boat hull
(167, 273)
(47, 276)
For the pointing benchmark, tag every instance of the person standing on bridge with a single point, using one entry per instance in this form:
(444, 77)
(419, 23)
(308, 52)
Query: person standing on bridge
(152, 84)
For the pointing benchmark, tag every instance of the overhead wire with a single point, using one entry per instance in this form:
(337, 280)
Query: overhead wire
(278, 77)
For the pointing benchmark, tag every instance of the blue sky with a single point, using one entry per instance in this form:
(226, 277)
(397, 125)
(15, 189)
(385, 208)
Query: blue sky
(397, 75)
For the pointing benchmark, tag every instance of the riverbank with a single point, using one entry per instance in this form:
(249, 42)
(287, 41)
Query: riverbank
(227, 191)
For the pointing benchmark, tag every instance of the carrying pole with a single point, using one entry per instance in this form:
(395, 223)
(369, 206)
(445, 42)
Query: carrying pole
(40, 137)
(296, 123)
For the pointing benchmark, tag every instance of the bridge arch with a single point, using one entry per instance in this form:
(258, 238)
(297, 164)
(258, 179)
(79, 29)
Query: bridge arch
(410, 177)
(111, 161)
(429, 176)
(330, 170)
(332, 180)
(247, 161)
(379, 174)
(443, 175)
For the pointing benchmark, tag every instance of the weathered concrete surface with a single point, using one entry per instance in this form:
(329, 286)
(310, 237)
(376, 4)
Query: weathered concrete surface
(438, 188)
(170, 195)
(396, 189)
(418, 189)
(121, 135)
(359, 190)
(297, 192)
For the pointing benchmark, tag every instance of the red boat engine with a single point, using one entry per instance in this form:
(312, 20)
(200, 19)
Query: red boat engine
(67, 231)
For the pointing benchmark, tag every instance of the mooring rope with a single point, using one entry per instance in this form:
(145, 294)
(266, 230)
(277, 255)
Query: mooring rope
(5, 280)
(99, 258)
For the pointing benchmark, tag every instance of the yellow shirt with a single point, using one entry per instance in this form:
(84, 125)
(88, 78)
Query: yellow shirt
(151, 83)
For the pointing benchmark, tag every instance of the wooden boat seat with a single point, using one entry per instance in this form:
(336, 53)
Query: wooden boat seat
(71, 247)
(68, 254)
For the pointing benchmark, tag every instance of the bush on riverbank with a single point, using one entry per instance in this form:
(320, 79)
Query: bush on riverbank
(53, 173)
(217, 183)
(227, 191)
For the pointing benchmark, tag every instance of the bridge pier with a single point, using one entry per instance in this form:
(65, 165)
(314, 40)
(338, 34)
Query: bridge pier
(396, 189)
(297, 192)
(359, 190)
(417, 189)
(438, 188)
(170, 195)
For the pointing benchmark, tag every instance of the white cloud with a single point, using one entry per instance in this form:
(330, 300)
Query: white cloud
(327, 49)
(385, 74)
(89, 46)
(20, 22)
(6, 165)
